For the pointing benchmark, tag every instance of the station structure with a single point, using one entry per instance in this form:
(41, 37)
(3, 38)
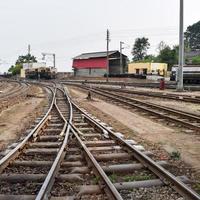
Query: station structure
(95, 64)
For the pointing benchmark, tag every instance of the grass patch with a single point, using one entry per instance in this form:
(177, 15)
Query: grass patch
(96, 179)
(197, 187)
(113, 178)
(175, 155)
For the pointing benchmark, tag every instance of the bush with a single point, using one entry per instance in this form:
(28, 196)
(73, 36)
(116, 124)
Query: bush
(196, 60)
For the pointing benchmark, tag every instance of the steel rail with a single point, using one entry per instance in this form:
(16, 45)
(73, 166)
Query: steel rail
(165, 176)
(16, 151)
(110, 189)
(127, 101)
(166, 95)
(121, 83)
(168, 109)
(48, 183)
(50, 178)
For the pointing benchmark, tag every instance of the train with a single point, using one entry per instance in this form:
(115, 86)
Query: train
(191, 74)
(38, 71)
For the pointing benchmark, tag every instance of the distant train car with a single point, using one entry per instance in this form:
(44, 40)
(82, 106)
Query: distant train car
(41, 73)
(38, 71)
(191, 73)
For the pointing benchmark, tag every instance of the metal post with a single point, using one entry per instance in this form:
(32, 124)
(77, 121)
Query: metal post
(29, 54)
(108, 40)
(181, 48)
(121, 62)
(54, 60)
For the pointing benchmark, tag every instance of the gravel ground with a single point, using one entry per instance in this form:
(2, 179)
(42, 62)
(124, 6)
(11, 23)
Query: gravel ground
(14, 121)
(154, 193)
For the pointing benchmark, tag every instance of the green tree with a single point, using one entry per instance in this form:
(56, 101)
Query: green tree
(169, 55)
(140, 48)
(15, 69)
(192, 36)
(150, 58)
(25, 59)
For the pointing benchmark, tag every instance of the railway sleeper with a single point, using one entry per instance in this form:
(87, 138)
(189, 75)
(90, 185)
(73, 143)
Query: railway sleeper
(49, 138)
(99, 143)
(96, 189)
(127, 168)
(17, 197)
(115, 156)
(44, 151)
(46, 144)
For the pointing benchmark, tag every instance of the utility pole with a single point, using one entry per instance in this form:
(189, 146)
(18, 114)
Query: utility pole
(29, 54)
(29, 49)
(181, 48)
(108, 40)
(121, 61)
(54, 60)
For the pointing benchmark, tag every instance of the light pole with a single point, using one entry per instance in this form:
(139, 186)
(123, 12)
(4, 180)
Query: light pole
(121, 62)
(181, 48)
(107, 52)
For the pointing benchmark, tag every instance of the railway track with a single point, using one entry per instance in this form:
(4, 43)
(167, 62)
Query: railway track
(71, 155)
(164, 95)
(170, 85)
(189, 122)
(18, 89)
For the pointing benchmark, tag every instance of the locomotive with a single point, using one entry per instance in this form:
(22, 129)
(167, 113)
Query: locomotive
(191, 73)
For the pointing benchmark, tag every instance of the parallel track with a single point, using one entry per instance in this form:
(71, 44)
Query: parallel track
(184, 119)
(164, 95)
(18, 90)
(71, 155)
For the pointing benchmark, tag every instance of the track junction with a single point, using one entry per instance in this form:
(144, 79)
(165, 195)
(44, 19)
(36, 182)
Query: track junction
(72, 155)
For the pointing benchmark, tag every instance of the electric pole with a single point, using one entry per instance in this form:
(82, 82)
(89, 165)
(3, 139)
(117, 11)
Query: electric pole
(29, 55)
(108, 40)
(29, 49)
(54, 60)
(181, 48)
(121, 61)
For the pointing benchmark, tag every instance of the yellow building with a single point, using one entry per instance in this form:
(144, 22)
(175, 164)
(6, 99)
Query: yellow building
(148, 68)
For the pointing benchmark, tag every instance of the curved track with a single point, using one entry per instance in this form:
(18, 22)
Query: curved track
(71, 155)
(15, 89)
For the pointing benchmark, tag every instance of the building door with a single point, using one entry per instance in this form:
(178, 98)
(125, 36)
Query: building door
(137, 71)
(145, 71)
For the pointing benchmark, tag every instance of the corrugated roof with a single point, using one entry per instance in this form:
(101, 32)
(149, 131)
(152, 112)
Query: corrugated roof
(94, 55)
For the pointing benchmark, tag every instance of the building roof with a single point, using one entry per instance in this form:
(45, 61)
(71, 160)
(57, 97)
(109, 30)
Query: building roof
(101, 54)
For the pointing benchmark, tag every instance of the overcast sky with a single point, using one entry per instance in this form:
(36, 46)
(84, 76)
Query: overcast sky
(71, 27)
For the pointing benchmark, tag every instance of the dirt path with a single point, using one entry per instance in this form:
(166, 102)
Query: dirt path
(17, 118)
(167, 138)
